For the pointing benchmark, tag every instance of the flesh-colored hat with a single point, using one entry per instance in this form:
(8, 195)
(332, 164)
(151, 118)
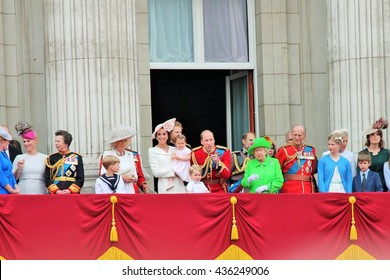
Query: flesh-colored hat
(121, 132)
(377, 125)
(258, 143)
(167, 125)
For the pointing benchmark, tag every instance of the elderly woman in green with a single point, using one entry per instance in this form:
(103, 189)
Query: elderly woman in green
(263, 173)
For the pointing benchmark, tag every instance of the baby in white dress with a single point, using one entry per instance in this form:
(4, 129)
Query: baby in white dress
(181, 158)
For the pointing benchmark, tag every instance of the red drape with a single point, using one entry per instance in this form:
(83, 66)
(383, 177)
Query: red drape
(192, 226)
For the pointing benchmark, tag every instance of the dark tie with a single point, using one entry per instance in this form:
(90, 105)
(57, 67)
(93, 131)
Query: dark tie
(364, 181)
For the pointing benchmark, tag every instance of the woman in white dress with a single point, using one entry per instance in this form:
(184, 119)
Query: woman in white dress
(130, 161)
(29, 167)
(160, 160)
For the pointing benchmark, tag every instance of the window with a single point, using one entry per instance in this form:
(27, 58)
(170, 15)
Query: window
(200, 34)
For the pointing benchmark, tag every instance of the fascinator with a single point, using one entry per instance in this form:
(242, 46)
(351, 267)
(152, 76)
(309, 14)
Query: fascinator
(167, 125)
(377, 125)
(25, 130)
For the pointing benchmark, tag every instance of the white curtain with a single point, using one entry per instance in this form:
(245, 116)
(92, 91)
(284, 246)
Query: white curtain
(225, 30)
(170, 31)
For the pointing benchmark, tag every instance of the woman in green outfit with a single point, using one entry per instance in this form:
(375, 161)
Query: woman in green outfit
(263, 173)
(375, 145)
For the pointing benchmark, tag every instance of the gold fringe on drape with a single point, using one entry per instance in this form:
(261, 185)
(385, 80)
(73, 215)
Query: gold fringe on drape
(354, 252)
(234, 233)
(115, 253)
(113, 232)
(353, 232)
(234, 253)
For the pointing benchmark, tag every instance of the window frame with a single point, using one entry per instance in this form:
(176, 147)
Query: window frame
(199, 62)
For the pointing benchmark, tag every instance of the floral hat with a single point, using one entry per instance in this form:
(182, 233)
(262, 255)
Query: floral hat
(377, 125)
(25, 130)
(167, 125)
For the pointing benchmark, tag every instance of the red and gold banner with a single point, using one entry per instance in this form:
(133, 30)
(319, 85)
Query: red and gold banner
(195, 226)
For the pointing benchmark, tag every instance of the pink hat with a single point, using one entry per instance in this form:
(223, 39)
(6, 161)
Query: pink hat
(24, 129)
(167, 125)
(29, 134)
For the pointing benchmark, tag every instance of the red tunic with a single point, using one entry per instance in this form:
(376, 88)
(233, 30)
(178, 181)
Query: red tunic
(298, 167)
(212, 176)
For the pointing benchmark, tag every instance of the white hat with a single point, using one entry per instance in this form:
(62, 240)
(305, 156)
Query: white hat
(121, 132)
(4, 134)
(167, 125)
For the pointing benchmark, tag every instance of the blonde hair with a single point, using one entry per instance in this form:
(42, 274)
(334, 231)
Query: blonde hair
(181, 137)
(110, 160)
(195, 168)
(336, 137)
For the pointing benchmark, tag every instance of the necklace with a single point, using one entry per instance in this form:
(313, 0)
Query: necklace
(119, 153)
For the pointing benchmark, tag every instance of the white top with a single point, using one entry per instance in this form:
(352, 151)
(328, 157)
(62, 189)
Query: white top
(197, 187)
(349, 156)
(336, 185)
(160, 163)
(182, 167)
(32, 177)
(127, 165)
(102, 187)
(386, 173)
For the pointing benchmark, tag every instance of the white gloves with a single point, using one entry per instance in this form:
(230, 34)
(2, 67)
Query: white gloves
(262, 188)
(252, 178)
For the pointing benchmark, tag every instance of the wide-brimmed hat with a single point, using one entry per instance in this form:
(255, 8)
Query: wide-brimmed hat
(121, 132)
(25, 130)
(258, 143)
(4, 134)
(377, 125)
(167, 125)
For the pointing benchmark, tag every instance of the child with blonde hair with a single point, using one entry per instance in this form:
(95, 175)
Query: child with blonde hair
(334, 170)
(110, 182)
(181, 158)
(195, 184)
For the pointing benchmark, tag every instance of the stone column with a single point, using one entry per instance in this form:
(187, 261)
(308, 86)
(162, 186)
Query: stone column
(91, 73)
(359, 68)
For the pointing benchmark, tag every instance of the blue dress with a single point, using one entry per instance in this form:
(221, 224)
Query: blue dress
(6, 175)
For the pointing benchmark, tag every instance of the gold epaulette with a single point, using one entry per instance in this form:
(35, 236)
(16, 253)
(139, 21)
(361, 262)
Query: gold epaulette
(197, 148)
(76, 154)
(221, 147)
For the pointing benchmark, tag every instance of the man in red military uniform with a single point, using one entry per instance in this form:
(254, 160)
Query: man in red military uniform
(214, 161)
(299, 163)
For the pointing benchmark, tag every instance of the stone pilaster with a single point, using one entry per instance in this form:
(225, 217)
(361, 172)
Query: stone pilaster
(359, 68)
(91, 73)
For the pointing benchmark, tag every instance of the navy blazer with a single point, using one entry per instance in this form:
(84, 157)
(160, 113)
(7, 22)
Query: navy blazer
(373, 183)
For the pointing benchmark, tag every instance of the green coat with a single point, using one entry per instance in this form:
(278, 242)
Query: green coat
(269, 172)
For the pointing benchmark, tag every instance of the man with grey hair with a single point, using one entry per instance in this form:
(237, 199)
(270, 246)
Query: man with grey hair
(299, 163)
(343, 150)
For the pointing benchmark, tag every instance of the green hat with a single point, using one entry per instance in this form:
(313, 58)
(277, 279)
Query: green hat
(259, 142)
